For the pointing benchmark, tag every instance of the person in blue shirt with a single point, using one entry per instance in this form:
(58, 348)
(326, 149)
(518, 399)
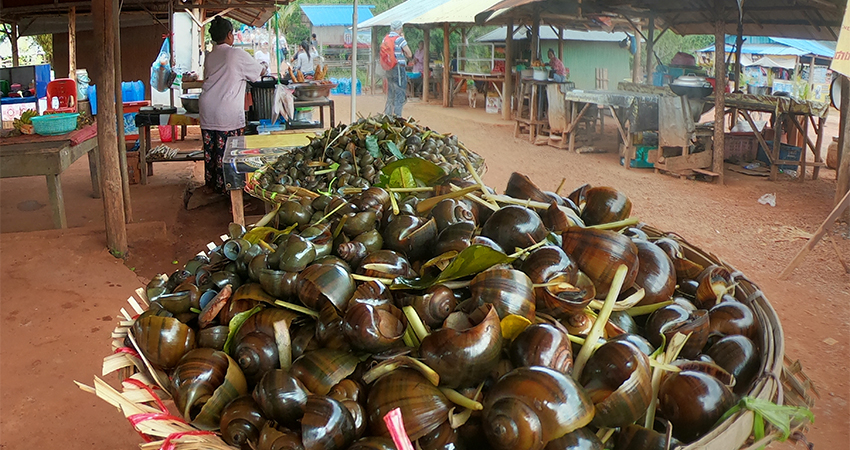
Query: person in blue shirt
(397, 76)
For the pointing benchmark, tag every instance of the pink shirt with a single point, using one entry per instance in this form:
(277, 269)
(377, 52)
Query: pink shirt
(222, 103)
(558, 66)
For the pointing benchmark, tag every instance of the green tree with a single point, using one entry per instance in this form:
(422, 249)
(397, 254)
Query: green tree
(46, 43)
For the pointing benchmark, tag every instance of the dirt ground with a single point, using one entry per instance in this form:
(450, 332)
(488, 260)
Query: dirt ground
(61, 290)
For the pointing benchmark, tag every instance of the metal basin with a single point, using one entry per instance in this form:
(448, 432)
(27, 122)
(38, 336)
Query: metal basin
(190, 103)
(310, 91)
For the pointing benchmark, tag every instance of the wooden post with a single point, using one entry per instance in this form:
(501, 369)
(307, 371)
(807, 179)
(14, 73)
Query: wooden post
(447, 57)
(840, 207)
(535, 38)
(636, 75)
(561, 43)
(843, 174)
(426, 65)
(739, 42)
(119, 115)
(719, 92)
(110, 173)
(650, 49)
(72, 43)
(13, 37)
(353, 64)
(508, 86)
(375, 46)
(464, 40)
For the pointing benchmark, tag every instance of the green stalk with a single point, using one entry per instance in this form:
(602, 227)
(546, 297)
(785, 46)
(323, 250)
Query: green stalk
(647, 309)
(268, 217)
(329, 214)
(461, 400)
(415, 323)
(296, 308)
(358, 277)
(616, 225)
(599, 325)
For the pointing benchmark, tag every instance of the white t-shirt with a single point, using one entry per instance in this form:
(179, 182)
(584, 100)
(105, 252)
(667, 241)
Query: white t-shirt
(222, 103)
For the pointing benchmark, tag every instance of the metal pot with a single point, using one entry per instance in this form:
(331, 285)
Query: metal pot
(691, 85)
(190, 103)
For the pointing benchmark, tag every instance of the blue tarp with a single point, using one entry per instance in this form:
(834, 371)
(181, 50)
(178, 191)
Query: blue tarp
(336, 15)
(760, 45)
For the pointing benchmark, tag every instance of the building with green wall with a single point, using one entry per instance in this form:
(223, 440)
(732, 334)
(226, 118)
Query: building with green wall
(584, 53)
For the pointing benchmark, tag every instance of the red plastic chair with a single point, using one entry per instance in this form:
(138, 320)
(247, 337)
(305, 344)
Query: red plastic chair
(65, 90)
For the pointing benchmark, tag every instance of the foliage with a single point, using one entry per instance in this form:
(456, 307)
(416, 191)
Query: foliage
(671, 43)
(46, 43)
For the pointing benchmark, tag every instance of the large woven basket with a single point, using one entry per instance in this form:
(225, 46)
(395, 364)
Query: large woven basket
(781, 380)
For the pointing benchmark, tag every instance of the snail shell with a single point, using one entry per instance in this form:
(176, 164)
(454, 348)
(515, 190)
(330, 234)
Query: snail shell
(581, 439)
(385, 264)
(598, 253)
(617, 378)
(203, 383)
(373, 443)
(467, 347)
(740, 357)
(509, 290)
(321, 369)
(656, 273)
(693, 402)
(727, 318)
(604, 205)
(325, 282)
(163, 340)
(326, 424)
(423, 406)
(674, 318)
(373, 328)
(635, 437)
(434, 306)
(411, 235)
(241, 423)
(542, 345)
(281, 396)
(530, 406)
(273, 439)
(451, 211)
(514, 227)
(456, 236)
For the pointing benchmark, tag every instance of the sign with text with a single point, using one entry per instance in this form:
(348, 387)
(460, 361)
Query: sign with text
(841, 61)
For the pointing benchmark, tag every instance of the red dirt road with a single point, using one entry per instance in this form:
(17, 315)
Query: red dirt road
(61, 291)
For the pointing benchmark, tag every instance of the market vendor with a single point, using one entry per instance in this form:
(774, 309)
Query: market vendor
(558, 66)
(222, 104)
(305, 60)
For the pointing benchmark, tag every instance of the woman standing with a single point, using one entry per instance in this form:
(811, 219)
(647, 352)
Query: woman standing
(222, 103)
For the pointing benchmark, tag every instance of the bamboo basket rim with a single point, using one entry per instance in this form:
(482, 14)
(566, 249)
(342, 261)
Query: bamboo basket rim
(734, 433)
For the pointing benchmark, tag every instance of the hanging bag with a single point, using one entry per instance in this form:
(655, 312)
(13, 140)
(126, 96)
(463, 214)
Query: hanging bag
(161, 74)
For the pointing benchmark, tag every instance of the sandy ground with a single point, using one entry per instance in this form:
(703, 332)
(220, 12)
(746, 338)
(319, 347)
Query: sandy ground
(61, 290)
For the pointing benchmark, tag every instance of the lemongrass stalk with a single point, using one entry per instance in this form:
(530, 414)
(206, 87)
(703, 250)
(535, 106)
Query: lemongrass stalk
(607, 435)
(409, 338)
(461, 400)
(616, 225)
(339, 226)
(325, 217)
(599, 325)
(398, 362)
(415, 323)
(394, 204)
(560, 186)
(268, 217)
(624, 304)
(647, 309)
(476, 199)
(358, 277)
(297, 308)
(528, 249)
(428, 203)
(411, 189)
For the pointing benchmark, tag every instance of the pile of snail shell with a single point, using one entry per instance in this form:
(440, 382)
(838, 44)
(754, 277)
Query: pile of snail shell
(291, 380)
(308, 166)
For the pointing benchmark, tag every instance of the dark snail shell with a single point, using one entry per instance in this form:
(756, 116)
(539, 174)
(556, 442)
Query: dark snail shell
(434, 306)
(521, 187)
(558, 218)
(451, 211)
(598, 253)
(373, 328)
(693, 402)
(727, 318)
(321, 369)
(443, 438)
(617, 379)
(509, 290)
(581, 439)
(456, 236)
(656, 273)
(203, 383)
(326, 424)
(278, 283)
(361, 222)
(358, 416)
(637, 340)
(296, 254)
(542, 345)
(363, 244)
(163, 340)
(385, 264)
(530, 406)
(273, 439)
(740, 357)
(252, 291)
(281, 396)
(605, 204)
(329, 329)
(713, 283)
(514, 227)
(571, 295)
(467, 347)
(213, 337)
(373, 443)
(321, 283)
(176, 302)
(672, 319)
(256, 353)
(374, 198)
(411, 235)
(635, 437)
(242, 421)
(347, 390)
(423, 406)
(192, 289)
(543, 263)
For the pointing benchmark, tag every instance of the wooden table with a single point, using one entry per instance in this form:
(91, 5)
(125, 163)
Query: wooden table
(491, 80)
(321, 102)
(145, 120)
(50, 156)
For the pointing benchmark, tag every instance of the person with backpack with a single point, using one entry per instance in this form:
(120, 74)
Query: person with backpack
(394, 54)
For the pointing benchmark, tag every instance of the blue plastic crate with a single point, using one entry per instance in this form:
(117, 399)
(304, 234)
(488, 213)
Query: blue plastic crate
(786, 153)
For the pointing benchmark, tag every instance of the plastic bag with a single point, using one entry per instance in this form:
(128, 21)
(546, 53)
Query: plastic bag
(162, 76)
(284, 103)
(768, 199)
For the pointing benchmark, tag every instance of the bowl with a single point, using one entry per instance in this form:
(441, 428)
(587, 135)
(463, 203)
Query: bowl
(55, 124)
(310, 91)
(190, 103)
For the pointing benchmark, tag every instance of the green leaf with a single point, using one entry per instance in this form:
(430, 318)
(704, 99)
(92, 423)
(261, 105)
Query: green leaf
(424, 171)
(401, 178)
(268, 234)
(236, 323)
(394, 150)
(372, 146)
(472, 260)
(778, 416)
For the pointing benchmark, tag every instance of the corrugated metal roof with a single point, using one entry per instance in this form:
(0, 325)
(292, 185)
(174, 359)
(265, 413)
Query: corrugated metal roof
(409, 10)
(546, 33)
(336, 15)
(454, 11)
(818, 48)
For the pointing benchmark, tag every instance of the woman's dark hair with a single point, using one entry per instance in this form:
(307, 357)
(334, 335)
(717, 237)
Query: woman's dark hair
(306, 46)
(219, 29)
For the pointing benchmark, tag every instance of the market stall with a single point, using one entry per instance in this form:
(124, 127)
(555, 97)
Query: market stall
(48, 156)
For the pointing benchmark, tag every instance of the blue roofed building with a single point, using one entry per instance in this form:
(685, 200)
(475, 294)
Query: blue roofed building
(332, 24)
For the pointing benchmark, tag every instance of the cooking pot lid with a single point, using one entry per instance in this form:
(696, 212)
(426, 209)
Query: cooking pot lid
(690, 80)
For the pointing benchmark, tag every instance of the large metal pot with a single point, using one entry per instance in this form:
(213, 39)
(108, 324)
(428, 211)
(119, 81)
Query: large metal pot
(691, 85)
(190, 103)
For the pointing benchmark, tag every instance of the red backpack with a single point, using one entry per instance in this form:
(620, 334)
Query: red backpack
(388, 59)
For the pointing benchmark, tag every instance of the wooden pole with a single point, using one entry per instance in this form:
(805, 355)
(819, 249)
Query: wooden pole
(561, 43)
(508, 86)
(353, 64)
(72, 43)
(739, 42)
(375, 46)
(426, 65)
(13, 37)
(464, 40)
(719, 92)
(840, 207)
(535, 38)
(110, 173)
(650, 49)
(843, 174)
(119, 115)
(636, 75)
(447, 57)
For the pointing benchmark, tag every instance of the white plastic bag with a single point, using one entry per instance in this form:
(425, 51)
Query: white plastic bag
(768, 199)
(284, 103)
